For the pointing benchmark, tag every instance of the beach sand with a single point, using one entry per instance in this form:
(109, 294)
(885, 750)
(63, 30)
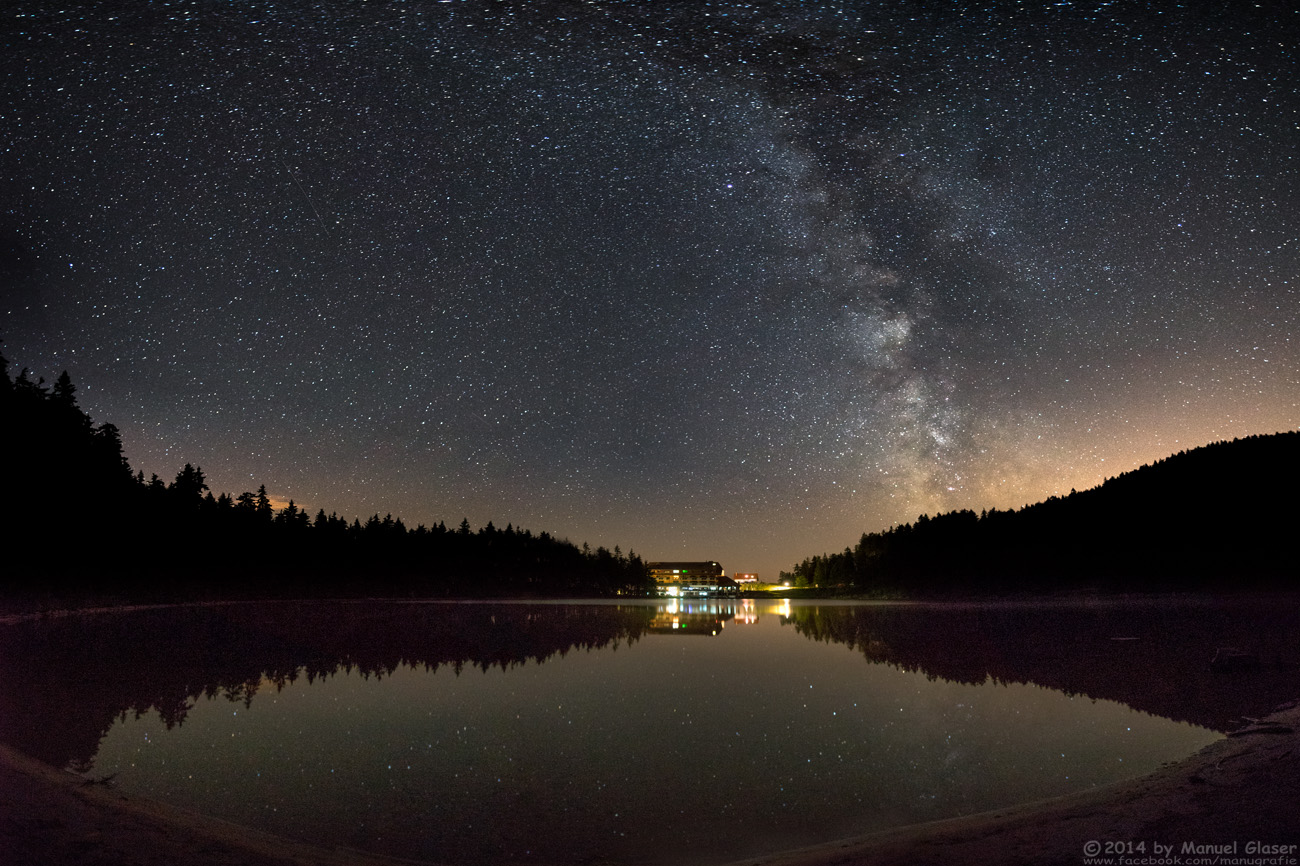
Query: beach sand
(1242, 791)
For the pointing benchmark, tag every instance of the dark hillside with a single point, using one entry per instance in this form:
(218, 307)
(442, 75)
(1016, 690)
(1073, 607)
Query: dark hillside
(1222, 516)
(79, 526)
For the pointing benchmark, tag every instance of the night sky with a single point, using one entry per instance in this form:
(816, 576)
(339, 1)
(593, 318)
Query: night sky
(709, 280)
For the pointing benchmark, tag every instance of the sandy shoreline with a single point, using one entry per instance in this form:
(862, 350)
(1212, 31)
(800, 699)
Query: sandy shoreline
(1243, 790)
(51, 817)
(1239, 790)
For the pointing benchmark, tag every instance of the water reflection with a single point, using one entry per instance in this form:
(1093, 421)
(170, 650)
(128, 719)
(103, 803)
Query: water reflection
(1151, 654)
(704, 617)
(66, 680)
(495, 732)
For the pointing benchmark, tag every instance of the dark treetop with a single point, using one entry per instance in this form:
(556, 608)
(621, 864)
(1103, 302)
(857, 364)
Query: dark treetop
(1220, 516)
(79, 524)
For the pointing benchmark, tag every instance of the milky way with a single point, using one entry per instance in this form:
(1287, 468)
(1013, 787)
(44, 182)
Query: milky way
(715, 280)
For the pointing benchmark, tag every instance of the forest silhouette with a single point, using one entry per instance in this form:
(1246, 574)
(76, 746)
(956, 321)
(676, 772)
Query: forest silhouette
(80, 525)
(1218, 517)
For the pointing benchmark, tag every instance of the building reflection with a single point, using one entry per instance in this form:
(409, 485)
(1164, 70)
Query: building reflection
(681, 623)
(64, 681)
(747, 614)
(709, 616)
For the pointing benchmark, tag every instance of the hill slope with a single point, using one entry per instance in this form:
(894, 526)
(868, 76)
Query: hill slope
(1220, 516)
(78, 525)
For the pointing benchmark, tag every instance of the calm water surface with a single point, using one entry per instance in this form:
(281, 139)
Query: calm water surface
(633, 733)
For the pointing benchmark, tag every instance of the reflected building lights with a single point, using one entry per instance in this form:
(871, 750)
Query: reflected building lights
(343, 691)
(710, 616)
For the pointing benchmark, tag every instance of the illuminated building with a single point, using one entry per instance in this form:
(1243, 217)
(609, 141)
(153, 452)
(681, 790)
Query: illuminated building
(745, 578)
(691, 579)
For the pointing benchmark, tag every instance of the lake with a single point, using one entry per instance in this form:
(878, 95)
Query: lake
(637, 732)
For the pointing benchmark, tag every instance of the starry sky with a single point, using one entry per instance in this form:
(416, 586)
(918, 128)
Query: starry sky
(707, 280)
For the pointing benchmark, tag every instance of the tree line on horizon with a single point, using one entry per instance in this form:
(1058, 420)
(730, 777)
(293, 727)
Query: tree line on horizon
(1221, 516)
(79, 522)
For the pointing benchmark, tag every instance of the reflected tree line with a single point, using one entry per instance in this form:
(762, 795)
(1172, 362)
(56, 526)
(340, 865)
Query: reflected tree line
(66, 680)
(1154, 656)
(1221, 516)
(80, 523)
